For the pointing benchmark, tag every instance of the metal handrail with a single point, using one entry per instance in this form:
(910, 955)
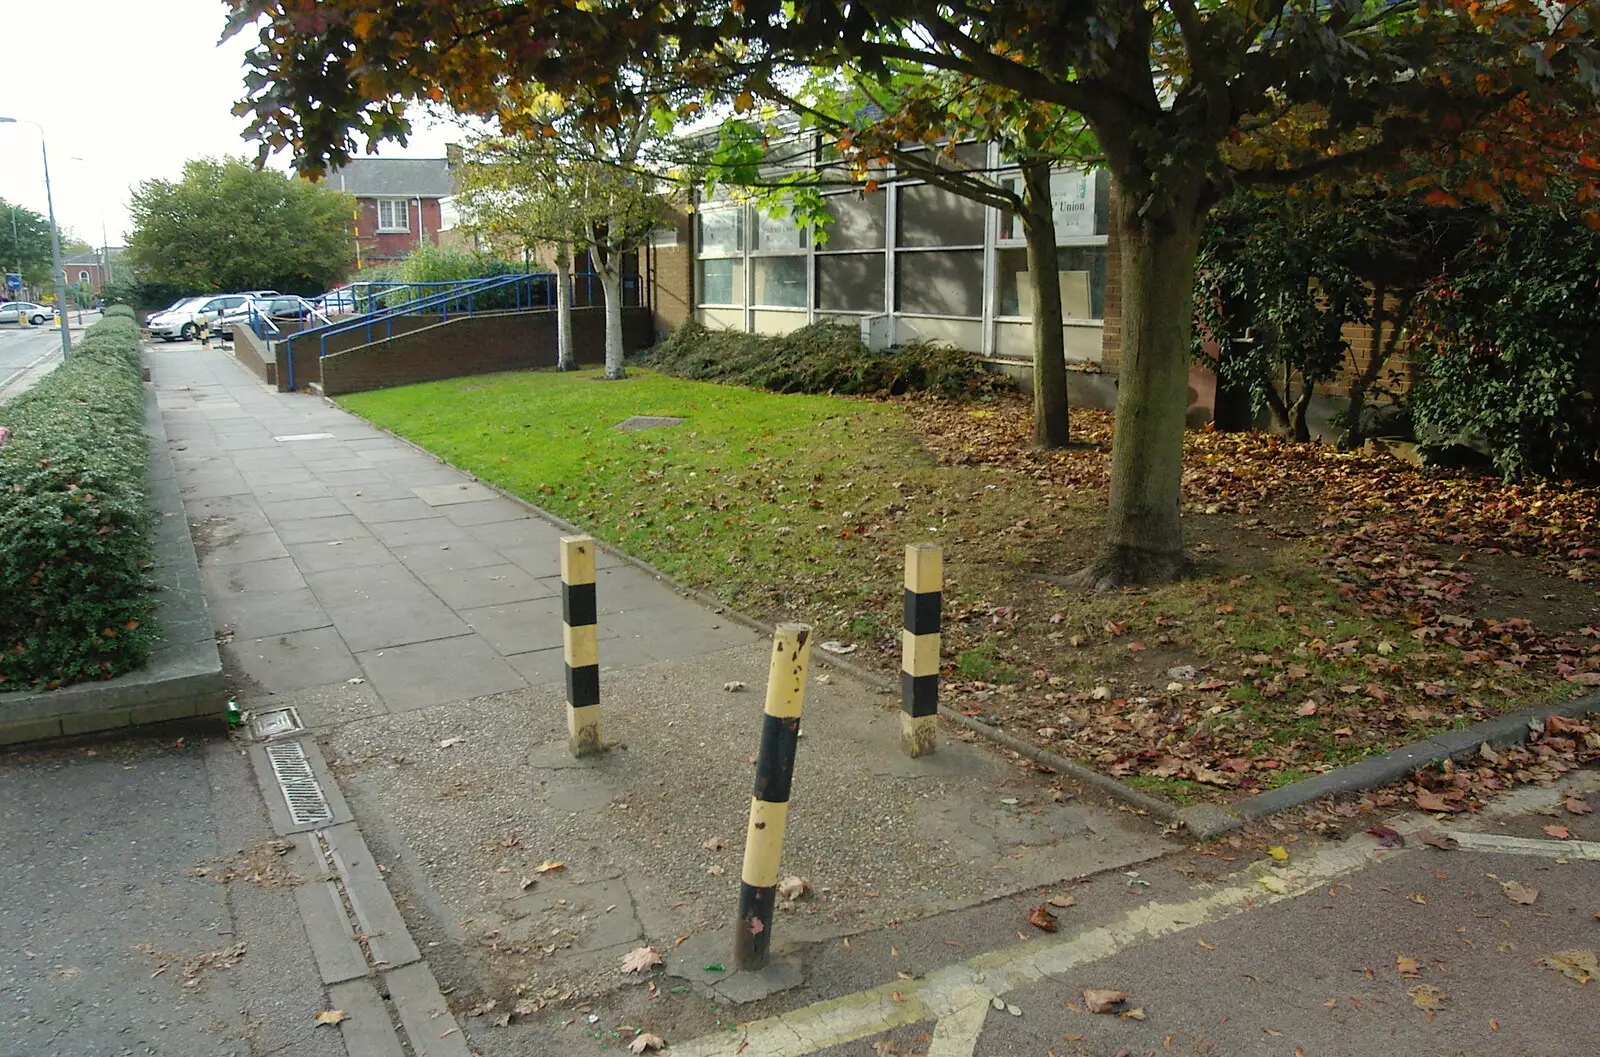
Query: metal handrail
(468, 290)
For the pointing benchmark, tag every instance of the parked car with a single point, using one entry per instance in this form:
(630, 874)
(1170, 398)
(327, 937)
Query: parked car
(287, 307)
(177, 322)
(17, 311)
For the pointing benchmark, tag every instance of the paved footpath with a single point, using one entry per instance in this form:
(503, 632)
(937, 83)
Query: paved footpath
(413, 619)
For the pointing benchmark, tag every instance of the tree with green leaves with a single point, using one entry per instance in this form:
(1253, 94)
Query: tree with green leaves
(229, 226)
(1187, 102)
(24, 243)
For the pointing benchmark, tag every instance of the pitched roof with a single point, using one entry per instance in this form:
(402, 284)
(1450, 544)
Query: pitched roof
(400, 177)
(87, 257)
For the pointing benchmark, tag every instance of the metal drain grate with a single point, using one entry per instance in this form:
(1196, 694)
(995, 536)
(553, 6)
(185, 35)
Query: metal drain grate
(301, 791)
(276, 723)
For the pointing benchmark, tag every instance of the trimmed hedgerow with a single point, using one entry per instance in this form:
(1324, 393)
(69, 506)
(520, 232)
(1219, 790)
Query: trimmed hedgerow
(74, 518)
(821, 358)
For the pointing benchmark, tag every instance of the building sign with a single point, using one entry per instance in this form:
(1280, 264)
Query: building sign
(1072, 202)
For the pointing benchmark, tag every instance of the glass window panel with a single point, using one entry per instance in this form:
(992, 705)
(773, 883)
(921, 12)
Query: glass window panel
(779, 234)
(722, 230)
(780, 281)
(850, 282)
(940, 282)
(1082, 281)
(931, 216)
(1081, 200)
(858, 221)
(721, 281)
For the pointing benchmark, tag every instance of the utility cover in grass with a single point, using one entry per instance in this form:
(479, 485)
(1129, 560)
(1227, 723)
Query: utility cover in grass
(647, 422)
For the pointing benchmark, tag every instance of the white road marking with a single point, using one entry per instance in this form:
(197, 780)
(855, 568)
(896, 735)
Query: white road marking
(951, 992)
(1574, 850)
(956, 1034)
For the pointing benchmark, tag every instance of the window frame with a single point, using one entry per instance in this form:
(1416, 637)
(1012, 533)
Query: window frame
(404, 205)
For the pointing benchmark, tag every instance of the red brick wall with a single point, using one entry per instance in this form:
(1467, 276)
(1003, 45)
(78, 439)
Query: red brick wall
(308, 354)
(476, 345)
(376, 245)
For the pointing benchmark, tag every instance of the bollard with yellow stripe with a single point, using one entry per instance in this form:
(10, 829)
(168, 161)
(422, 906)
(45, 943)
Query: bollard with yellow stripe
(919, 649)
(579, 637)
(769, 807)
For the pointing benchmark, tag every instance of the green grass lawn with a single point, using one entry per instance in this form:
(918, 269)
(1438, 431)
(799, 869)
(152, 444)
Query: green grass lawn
(762, 498)
(798, 507)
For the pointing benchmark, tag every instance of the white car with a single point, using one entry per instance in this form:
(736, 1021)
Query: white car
(176, 322)
(19, 311)
(182, 321)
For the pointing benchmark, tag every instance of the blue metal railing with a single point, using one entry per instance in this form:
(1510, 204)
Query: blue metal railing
(500, 293)
(523, 292)
(262, 326)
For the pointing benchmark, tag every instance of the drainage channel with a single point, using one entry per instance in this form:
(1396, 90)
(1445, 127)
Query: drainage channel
(301, 790)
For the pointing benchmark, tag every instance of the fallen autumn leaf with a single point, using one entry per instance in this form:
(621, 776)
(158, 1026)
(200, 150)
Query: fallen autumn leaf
(330, 1016)
(1579, 965)
(639, 959)
(1041, 918)
(644, 1042)
(1518, 892)
(1103, 1001)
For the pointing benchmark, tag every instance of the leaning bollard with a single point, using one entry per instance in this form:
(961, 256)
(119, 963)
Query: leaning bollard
(919, 648)
(769, 807)
(579, 644)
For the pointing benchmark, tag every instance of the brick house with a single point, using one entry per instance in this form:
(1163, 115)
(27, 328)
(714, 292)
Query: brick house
(91, 268)
(398, 204)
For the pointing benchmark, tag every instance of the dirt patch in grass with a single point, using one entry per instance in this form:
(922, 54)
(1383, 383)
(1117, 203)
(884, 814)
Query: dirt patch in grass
(1341, 603)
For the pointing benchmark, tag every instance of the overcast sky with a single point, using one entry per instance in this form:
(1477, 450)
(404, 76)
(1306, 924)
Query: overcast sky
(131, 87)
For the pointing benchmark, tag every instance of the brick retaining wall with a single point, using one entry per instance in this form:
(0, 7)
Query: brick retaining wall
(478, 345)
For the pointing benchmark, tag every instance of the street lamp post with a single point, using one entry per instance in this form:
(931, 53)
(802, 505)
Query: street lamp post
(55, 236)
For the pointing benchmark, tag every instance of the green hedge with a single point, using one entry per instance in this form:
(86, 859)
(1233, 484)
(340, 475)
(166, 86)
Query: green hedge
(821, 358)
(74, 518)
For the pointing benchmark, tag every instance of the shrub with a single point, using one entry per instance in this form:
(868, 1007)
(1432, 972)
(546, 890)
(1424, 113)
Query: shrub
(75, 519)
(1507, 351)
(821, 358)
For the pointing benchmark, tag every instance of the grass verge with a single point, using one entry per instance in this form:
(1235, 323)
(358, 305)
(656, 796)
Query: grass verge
(1274, 661)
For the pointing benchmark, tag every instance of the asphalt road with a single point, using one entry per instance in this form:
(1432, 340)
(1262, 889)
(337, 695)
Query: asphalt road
(25, 347)
(131, 926)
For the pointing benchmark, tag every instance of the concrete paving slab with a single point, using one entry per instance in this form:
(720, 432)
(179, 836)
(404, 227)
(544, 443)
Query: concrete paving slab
(339, 554)
(447, 557)
(523, 532)
(429, 1027)
(239, 550)
(434, 673)
(522, 627)
(212, 487)
(397, 621)
(351, 478)
(288, 493)
(393, 506)
(302, 509)
(540, 667)
(294, 660)
(322, 529)
(451, 493)
(486, 512)
(366, 585)
(414, 475)
(434, 530)
(276, 574)
(366, 1029)
(483, 586)
(259, 614)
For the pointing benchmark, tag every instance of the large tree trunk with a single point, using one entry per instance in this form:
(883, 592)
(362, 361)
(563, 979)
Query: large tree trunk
(1144, 539)
(1051, 418)
(611, 285)
(1383, 348)
(566, 360)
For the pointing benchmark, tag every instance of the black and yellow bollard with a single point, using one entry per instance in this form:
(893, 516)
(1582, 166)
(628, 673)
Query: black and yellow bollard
(919, 649)
(769, 807)
(579, 640)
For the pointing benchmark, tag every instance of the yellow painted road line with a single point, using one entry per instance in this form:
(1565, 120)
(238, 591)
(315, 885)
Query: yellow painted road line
(955, 989)
(956, 1034)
